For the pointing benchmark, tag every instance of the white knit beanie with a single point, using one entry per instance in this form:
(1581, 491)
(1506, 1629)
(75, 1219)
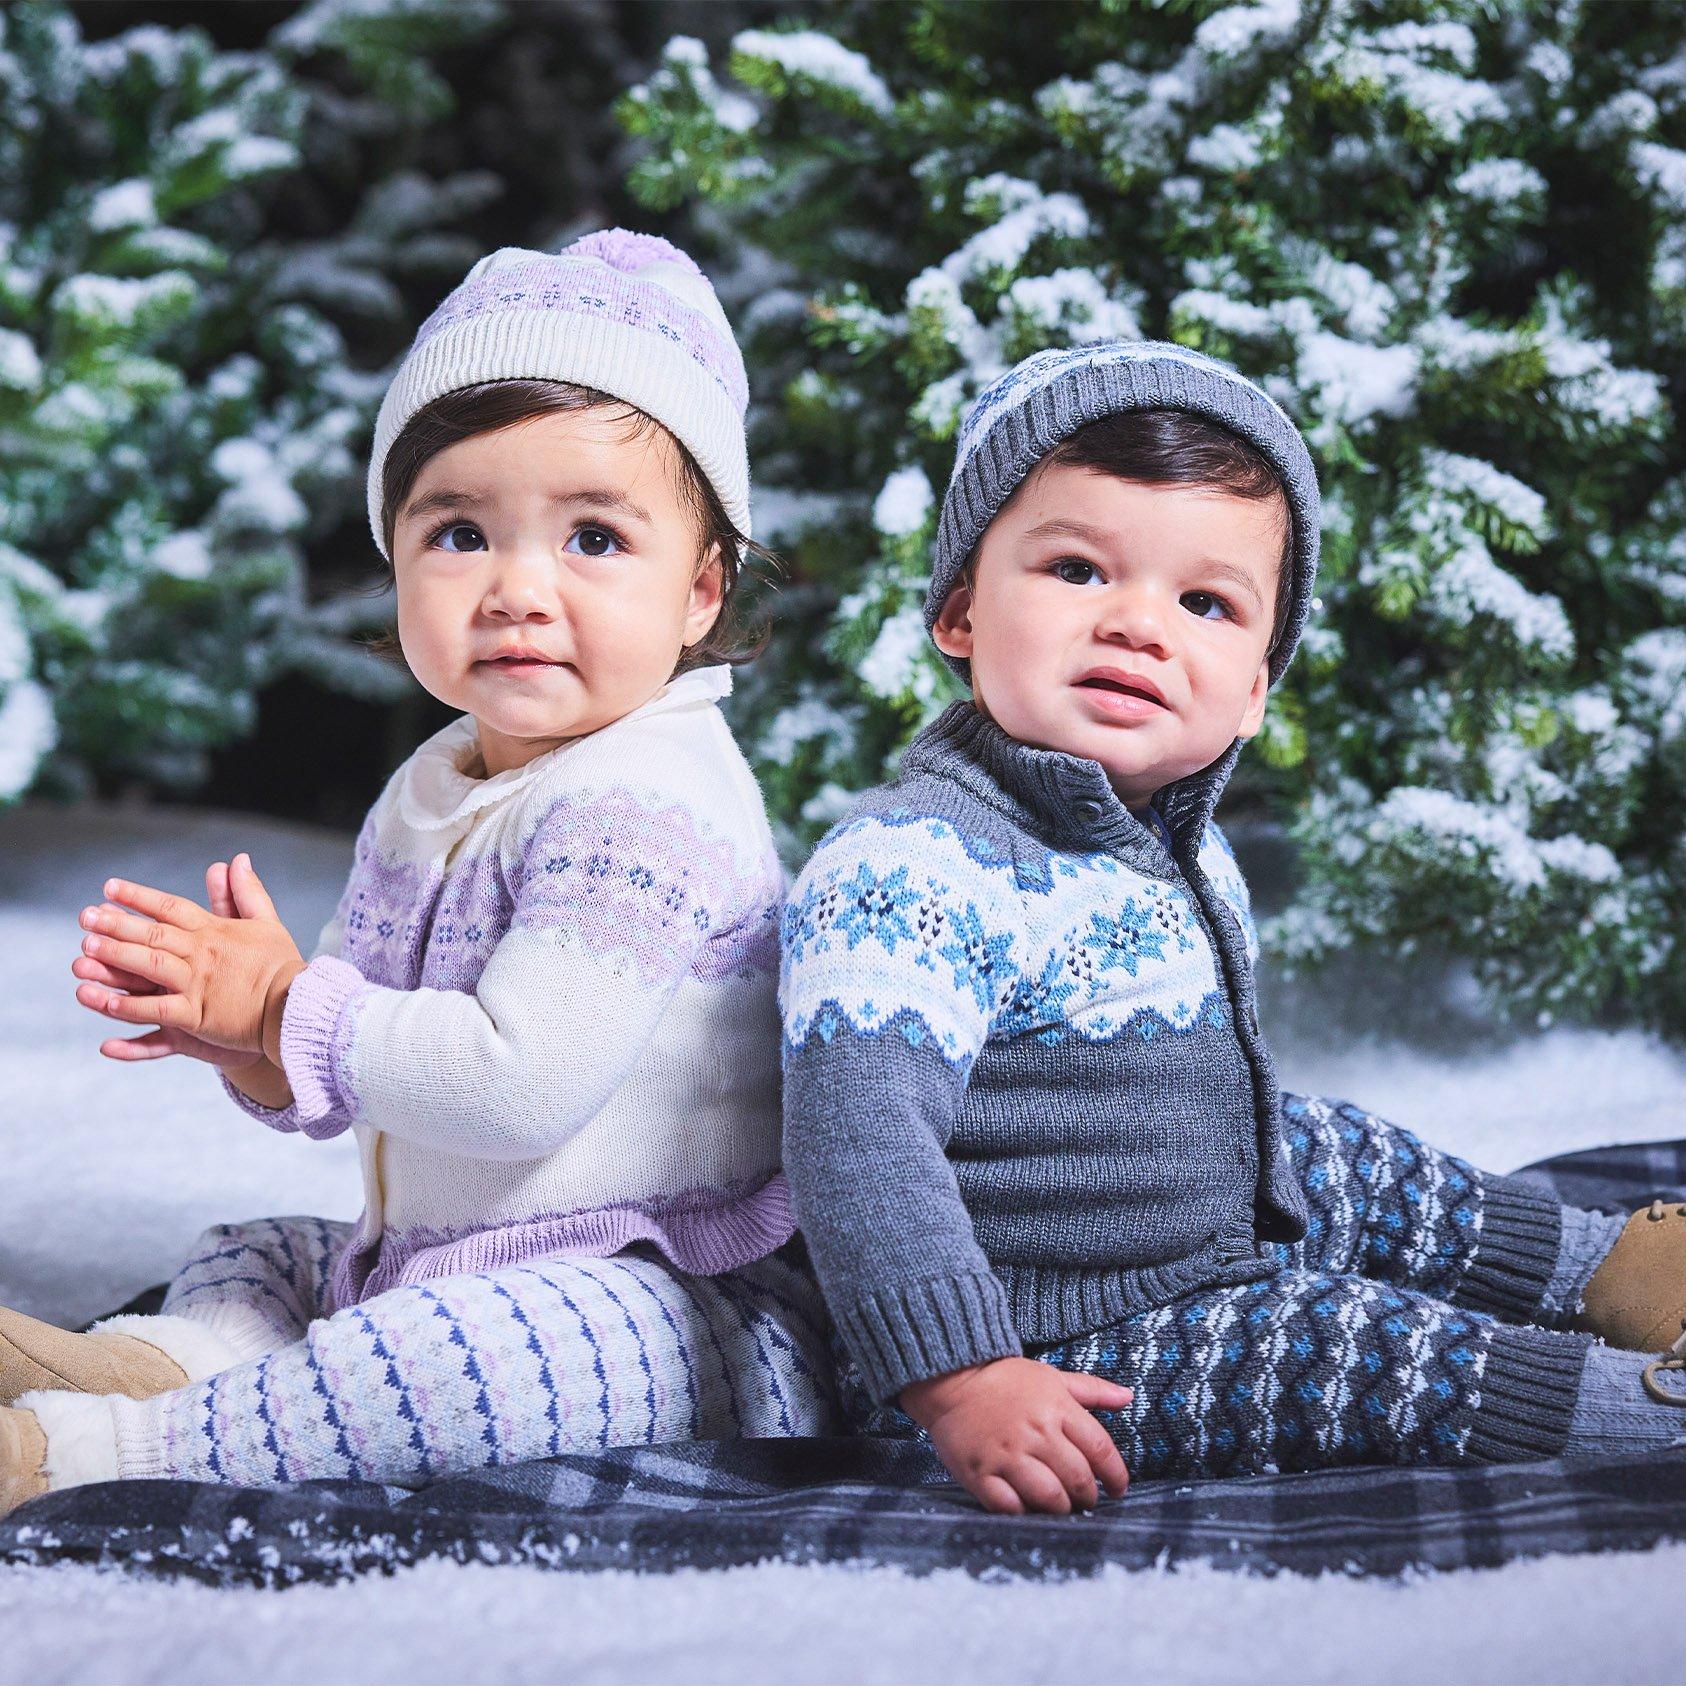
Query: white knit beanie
(629, 314)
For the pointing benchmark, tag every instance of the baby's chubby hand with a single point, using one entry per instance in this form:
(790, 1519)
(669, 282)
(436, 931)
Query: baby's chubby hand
(1019, 1435)
(222, 980)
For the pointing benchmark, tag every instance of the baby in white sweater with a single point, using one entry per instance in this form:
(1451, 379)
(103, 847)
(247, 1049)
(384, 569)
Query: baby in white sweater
(546, 1004)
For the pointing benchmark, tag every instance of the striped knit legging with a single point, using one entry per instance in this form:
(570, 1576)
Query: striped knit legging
(558, 1355)
(1399, 1331)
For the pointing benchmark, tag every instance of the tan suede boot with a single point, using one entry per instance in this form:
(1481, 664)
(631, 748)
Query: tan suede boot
(23, 1458)
(34, 1355)
(1637, 1296)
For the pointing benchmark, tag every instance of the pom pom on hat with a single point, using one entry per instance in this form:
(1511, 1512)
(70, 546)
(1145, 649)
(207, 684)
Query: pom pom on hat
(627, 250)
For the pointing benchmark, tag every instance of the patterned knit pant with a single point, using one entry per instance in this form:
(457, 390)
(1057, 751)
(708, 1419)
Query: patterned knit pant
(1389, 1335)
(559, 1355)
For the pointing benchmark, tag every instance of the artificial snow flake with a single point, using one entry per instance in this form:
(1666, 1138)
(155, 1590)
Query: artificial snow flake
(904, 504)
(820, 59)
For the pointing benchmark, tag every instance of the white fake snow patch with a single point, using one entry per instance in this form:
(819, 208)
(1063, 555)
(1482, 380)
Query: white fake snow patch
(1550, 1622)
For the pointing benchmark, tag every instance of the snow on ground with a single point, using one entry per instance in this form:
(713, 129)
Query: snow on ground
(110, 1171)
(1553, 1622)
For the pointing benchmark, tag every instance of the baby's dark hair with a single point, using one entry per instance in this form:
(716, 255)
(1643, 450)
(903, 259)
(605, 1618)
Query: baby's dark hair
(490, 405)
(1176, 447)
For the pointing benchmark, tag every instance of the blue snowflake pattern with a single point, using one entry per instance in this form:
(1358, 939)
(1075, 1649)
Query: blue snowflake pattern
(979, 959)
(1036, 1003)
(1124, 941)
(873, 907)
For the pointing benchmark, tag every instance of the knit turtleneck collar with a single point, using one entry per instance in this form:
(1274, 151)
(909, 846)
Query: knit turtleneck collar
(1063, 798)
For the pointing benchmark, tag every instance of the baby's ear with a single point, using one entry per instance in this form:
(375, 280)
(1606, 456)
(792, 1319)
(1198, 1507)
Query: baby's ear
(1253, 718)
(708, 596)
(951, 632)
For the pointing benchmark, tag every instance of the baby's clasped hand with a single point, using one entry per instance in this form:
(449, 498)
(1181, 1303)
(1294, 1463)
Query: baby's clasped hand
(1019, 1435)
(221, 980)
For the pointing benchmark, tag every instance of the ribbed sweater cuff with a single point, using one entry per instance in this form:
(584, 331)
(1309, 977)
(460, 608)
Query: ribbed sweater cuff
(905, 1333)
(310, 1049)
(1521, 1232)
(1528, 1393)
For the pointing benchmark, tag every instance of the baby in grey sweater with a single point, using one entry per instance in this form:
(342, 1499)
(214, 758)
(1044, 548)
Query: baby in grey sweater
(1033, 1131)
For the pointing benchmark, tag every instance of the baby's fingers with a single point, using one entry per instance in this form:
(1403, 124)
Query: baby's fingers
(250, 896)
(1038, 1486)
(96, 971)
(153, 1046)
(156, 904)
(1098, 1450)
(217, 892)
(133, 1009)
(1070, 1463)
(993, 1493)
(130, 928)
(154, 964)
(1095, 1393)
(102, 1000)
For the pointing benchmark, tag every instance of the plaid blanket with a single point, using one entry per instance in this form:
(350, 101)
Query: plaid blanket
(722, 1503)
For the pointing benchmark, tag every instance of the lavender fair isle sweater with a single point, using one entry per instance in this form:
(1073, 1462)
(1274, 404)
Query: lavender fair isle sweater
(546, 1005)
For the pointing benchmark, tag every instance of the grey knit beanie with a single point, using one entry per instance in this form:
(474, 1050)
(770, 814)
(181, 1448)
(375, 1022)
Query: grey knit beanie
(1019, 419)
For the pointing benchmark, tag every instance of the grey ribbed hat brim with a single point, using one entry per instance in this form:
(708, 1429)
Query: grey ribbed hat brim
(1105, 380)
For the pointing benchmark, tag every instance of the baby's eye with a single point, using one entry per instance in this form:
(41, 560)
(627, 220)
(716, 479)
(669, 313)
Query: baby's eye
(453, 530)
(1074, 571)
(592, 540)
(1206, 597)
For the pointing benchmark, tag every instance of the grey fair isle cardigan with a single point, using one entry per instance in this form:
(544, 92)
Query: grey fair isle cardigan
(1025, 1092)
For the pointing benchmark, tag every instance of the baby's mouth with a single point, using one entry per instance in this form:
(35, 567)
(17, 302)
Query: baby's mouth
(1097, 683)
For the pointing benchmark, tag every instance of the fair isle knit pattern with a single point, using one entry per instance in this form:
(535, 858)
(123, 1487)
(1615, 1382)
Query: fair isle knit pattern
(1108, 952)
(541, 282)
(1385, 1205)
(558, 1355)
(1358, 1351)
(257, 1284)
(1026, 1091)
(546, 1005)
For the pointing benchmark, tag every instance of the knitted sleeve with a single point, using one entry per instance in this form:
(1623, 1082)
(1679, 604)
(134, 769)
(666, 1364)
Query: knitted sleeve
(616, 898)
(335, 1120)
(895, 954)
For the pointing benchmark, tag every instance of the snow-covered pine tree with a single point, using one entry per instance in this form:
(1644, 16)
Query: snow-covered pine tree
(177, 407)
(1449, 238)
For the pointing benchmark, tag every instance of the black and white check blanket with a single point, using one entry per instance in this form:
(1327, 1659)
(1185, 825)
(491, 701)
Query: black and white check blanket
(718, 1504)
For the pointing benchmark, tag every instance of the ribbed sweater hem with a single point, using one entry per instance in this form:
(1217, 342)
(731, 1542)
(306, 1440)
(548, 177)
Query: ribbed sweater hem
(1057, 1302)
(1516, 1253)
(702, 1238)
(914, 1330)
(1527, 1398)
(283, 1118)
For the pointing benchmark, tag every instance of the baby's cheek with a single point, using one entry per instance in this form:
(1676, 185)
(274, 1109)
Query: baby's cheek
(431, 645)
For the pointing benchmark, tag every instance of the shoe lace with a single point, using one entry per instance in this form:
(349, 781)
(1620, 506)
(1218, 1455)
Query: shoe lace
(1673, 1359)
